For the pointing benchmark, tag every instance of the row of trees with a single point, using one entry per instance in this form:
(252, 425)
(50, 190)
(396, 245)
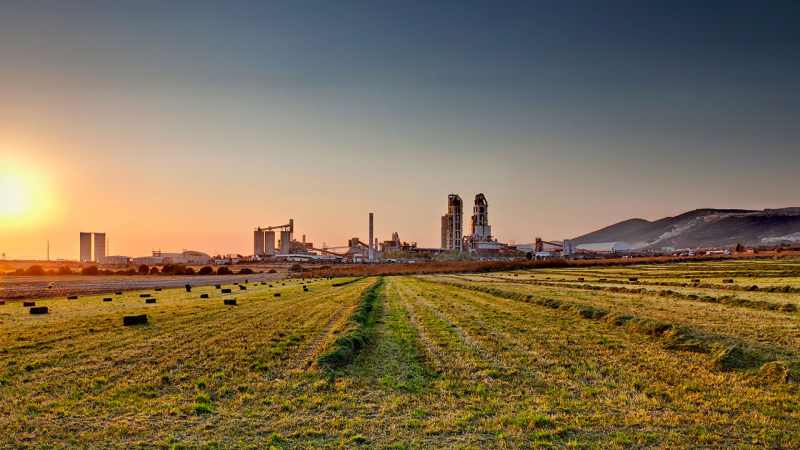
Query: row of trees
(169, 269)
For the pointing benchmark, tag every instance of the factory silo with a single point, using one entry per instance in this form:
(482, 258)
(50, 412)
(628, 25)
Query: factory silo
(269, 243)
(258, 242)
(286, 238)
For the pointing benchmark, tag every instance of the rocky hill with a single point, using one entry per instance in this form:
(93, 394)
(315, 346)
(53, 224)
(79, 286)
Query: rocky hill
(704, 228)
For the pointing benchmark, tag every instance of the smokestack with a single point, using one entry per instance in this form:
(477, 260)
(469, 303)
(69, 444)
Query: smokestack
(371, 248)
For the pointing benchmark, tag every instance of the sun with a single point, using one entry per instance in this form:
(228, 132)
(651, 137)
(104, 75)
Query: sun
(15, 195)
(24, 198)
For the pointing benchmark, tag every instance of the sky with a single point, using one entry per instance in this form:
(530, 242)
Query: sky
(184, 125)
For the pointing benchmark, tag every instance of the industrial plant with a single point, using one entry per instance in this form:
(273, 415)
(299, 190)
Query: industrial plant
(86, 246)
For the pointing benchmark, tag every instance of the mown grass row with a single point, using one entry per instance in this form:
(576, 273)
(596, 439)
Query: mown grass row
(345, 283)
(358, 333)
(695, 283)
(728, 300)
(727, 353)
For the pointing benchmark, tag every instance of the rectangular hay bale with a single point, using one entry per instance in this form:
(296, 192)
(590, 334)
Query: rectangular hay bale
(230, 301)
(150, 300)
(39, 310)
(140, 319)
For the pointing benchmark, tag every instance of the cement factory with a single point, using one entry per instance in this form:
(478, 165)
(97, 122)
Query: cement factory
(480, 243)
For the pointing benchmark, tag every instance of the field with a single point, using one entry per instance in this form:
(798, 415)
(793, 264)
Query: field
(695, 354)
(27, 287)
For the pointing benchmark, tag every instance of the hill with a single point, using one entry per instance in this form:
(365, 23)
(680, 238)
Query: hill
(704, 228)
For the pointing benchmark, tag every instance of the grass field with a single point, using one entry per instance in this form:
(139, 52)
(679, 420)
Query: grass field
(594, 357)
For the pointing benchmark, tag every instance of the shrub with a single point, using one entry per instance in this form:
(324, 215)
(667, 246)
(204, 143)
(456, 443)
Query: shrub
(224, 271)
(143, 269)
(154, 270)
(296, 268)
(272, 271)
(188, 271)
(64, 270)
(206, 270)
(246, 271)
(35, 270)
(91, 270)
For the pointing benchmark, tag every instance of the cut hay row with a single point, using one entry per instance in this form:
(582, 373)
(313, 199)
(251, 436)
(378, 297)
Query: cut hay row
(727, 352)
(345, 283)
(347, 346)
(727, 300)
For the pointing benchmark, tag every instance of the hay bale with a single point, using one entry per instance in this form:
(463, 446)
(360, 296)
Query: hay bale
(39, 310)
(144, 295)
(217, 286)
(230, 301)
(140, 319)
(633, 279)
(695, 280)
(277, 294)
(242, 288)
(149, 301)
(158, 289)
(203, 295)
(72, 297)
(188, 288)
(226, 291)
(107, 299)
(269, 285)
(580, 279)
(28, 304)
(728, 280)
(118, 293)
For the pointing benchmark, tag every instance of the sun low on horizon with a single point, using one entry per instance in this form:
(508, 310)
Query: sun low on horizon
(25, 196)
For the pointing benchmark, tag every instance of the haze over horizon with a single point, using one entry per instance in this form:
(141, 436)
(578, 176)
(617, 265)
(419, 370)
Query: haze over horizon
(172, 125)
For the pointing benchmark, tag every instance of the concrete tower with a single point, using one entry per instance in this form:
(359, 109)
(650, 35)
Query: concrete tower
(269, 243)
(481, 230)
(99, 246)
(452, 228)
(258, 242)
(86, 247)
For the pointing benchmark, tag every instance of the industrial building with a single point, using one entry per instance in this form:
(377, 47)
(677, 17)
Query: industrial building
(264, 240)
(395, 245)
(86, 246)
(452, 229)
(481, 230)
(116, 260)
(99, 246)
(158, 257)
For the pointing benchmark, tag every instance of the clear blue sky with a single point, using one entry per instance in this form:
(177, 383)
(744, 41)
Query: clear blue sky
(154, 120)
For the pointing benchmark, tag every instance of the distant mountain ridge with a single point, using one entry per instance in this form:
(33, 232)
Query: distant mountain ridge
(704, 228)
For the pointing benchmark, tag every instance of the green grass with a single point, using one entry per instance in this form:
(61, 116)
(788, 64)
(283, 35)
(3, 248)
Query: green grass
(503, 360)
